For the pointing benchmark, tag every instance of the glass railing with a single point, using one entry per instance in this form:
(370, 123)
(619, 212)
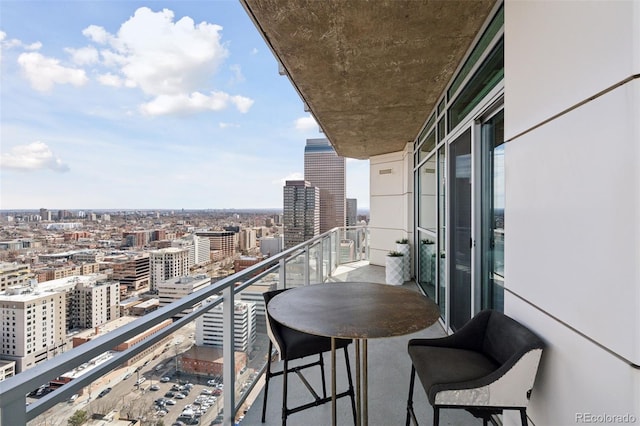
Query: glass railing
(167, 364)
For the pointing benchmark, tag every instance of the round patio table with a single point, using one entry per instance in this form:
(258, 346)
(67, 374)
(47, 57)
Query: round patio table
(354, 310)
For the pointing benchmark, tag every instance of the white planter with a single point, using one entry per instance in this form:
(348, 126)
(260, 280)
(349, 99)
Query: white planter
(394, 266)
(405, 249)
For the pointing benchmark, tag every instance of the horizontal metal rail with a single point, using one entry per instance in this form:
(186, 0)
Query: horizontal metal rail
(13, 391)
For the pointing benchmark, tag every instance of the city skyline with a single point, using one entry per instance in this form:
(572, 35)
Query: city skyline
(101, 111)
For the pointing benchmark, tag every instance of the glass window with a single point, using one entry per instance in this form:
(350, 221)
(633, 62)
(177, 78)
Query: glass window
(494, 27)
(427, 187)
(486, 78)
(428, 146)
(493, 191)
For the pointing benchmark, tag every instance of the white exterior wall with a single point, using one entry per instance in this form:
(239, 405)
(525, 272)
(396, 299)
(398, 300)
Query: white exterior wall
(573, 201)
(391, 202)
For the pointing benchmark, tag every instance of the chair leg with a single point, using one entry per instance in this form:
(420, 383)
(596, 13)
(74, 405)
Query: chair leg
(523, 416)
(410, 399)
(266, 382)
(284, 392)
(324, 382)
(436, 416)
(351, 392)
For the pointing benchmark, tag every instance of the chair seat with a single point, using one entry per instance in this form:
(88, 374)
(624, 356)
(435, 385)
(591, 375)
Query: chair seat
(438, 367)
(299, 345)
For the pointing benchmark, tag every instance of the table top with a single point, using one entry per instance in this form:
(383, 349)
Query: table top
(355, 310)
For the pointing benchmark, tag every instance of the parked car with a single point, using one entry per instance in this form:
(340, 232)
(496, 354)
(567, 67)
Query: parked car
(165, 379)
(206, 392)
(154, 387)
(170, 394)
(179, 396)
(104, 392)
(171, 402)
(140, 380)
(73, 398)
(126, 376)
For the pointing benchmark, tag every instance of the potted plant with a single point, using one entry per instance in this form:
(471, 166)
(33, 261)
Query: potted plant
(402, 246)
(394, 266)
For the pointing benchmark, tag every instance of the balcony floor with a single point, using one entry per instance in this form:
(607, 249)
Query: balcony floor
(389, 371)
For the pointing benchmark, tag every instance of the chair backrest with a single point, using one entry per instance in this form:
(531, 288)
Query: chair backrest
(504, 337)
(274, 327)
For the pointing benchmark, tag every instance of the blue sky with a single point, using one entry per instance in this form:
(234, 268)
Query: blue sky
(124, 104)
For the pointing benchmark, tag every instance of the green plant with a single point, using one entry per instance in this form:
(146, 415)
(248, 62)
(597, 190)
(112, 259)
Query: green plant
(425, 241)
(402, 241)
(395, 254)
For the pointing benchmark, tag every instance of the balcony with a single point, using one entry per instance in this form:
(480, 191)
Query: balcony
(321, 259)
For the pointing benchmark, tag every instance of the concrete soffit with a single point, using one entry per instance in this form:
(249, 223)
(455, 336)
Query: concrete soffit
(369, 71)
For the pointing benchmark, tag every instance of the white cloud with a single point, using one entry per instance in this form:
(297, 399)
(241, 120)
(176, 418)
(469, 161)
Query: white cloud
(228, 125)
(83, 56)
(193, 103)
(14, 42)
(97, 34)
(110, 80)
(305, 124)
(43, 72)
(34, 156)
(171, 62)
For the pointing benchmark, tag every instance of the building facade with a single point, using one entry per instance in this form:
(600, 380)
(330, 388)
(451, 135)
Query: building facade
(94, 303)
(209, 326)
(14, 274)
(352, 212)
(131, 270)
(167, 263)
(221, 241)
(301, 212)
(174, 289)
(32, 326)
(326, 170)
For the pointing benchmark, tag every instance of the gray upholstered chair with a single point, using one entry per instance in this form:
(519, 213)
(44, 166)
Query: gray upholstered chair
(487, 366)
(291, 345)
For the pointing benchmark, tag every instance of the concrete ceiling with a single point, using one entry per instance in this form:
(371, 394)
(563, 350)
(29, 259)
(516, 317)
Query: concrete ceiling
(369, 71)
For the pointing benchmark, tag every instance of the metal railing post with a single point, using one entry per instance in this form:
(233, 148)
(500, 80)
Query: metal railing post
(282, 274)
(228, 355)
(14, 412)
(307, 270)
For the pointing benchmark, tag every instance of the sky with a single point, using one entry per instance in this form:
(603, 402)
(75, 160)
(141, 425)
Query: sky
(147, 105)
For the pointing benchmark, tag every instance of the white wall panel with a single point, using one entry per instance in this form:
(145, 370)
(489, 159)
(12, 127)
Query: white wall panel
(559, 53)
(572, 239)
(575, 376)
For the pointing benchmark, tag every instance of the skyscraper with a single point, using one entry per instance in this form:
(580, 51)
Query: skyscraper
(352, 211)
(324, 169)
(301, 212)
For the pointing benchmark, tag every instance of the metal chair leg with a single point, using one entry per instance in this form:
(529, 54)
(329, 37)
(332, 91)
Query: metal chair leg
(284, 392)
(410, 398)
(436, 416)
(324, 382)
(523, 416)
(266, 382)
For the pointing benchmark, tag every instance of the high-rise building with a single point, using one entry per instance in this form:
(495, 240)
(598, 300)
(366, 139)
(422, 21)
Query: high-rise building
(270, 246)
(172, 290)
(168, 263)
(32, 325)
(209, 330)
(324, 169)
(222, 241)
(301, 212)
(94, 303)
(352, 211)
(248, 241)
(199, 248)
(131, 269)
